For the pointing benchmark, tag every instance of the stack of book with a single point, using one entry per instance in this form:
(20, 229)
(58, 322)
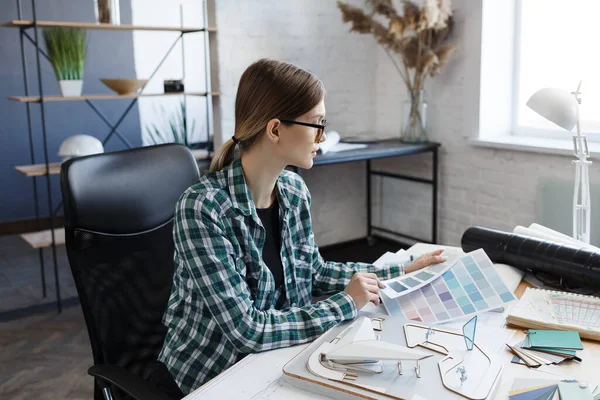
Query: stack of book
(544, 347)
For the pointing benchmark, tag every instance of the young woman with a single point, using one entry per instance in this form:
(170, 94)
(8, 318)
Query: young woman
(246, 259)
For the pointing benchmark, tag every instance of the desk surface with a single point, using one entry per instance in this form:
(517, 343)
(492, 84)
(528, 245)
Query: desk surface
(259, 376)
(381, 149)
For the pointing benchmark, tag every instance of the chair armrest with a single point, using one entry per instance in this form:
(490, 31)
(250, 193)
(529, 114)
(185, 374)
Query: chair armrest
(127, 381)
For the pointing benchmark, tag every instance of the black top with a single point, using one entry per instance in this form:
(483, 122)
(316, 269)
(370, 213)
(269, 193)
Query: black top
(272, 249)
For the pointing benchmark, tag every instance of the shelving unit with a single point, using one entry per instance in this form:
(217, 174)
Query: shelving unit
(41, 239)
(18, 23)
(38, 169)
(30, 31)
(37, 99)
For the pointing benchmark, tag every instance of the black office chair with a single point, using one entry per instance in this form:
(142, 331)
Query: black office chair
(119, 211)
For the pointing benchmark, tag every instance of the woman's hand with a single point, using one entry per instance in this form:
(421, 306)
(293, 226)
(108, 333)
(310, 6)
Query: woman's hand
(364, 288)
(426, 260)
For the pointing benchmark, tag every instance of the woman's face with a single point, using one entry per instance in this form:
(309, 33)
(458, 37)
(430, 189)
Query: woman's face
(298, 143)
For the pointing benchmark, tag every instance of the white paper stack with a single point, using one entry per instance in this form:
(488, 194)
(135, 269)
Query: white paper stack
(541, 232)
(332, 144)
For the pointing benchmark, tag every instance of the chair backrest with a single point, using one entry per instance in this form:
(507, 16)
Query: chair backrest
(119, 210)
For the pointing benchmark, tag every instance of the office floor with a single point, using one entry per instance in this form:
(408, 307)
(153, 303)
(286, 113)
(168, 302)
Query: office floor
(20, 278)
(46, 357)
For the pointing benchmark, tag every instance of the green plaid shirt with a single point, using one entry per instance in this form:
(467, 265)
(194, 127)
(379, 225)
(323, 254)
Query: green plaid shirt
(222, 302)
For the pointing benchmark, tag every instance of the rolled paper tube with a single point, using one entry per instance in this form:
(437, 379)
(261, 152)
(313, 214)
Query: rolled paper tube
(576, 266)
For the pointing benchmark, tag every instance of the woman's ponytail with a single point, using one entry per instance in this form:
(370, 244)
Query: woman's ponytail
(224, 156)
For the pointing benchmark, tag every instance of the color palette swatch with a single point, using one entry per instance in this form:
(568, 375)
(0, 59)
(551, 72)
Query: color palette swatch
(405, 284)
(470, 286)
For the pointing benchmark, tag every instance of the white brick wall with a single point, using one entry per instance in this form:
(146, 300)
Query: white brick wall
(310, 34)
(486, 187)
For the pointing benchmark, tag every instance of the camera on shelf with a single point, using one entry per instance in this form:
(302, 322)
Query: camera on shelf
(173, 86)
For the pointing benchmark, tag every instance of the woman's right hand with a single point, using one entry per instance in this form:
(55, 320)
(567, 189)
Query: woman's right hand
(364, 288)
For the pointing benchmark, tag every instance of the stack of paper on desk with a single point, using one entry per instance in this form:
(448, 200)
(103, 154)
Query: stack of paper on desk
(333, 144)
(544, 309)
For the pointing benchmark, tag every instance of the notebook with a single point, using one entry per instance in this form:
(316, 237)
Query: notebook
(547, 309)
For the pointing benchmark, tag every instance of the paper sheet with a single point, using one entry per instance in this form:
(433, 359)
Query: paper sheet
(333, 144)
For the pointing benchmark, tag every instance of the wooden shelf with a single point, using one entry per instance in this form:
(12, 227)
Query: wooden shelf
(36, 99)
(41, 239)
(90, 25)
(38, 169)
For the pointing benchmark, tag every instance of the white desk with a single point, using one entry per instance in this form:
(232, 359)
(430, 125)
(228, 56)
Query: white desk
(259, 376)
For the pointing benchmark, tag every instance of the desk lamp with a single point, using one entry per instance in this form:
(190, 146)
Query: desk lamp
(562, 108)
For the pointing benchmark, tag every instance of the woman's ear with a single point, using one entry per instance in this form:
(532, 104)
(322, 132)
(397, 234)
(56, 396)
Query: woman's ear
(274, 130)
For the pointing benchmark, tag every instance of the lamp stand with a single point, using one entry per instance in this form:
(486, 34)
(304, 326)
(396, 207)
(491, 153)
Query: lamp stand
(581, 195)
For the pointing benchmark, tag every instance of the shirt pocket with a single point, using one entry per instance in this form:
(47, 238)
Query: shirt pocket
(303, 261)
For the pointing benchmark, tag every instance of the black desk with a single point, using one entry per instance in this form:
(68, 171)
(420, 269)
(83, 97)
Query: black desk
(386, 149)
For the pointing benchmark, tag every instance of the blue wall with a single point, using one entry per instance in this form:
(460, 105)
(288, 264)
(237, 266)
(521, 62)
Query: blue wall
(110, 54)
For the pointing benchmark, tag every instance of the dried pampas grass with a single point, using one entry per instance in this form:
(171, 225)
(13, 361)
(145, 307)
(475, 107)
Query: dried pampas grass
(383, 7)
(361, 22)
(418, 35)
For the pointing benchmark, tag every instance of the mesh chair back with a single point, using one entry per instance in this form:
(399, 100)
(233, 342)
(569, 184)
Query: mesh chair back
(118, 225)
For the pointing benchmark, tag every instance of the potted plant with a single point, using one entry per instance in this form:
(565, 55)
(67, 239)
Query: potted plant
(66, 49)
(174, 128)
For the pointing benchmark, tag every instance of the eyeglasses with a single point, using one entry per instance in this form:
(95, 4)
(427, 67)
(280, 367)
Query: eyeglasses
(320, 127)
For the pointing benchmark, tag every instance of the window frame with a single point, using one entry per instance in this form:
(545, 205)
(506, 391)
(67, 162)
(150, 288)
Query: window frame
(521, 131)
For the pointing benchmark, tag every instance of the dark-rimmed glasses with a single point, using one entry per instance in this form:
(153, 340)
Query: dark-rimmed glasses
(320, 127)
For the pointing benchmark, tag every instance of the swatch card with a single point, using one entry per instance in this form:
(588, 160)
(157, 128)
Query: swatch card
(405, 284)
(470, 286)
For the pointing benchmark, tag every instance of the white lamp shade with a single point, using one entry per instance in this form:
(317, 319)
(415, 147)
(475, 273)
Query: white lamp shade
(556, 105)
(80, 145)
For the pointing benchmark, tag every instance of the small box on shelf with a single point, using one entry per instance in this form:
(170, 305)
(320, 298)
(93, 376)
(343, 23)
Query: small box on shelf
(173, 86)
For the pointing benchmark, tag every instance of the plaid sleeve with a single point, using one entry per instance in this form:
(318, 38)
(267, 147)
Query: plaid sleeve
(209, 256)
(329, 276)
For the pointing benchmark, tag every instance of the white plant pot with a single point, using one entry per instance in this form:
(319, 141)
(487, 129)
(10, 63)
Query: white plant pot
(70, 88)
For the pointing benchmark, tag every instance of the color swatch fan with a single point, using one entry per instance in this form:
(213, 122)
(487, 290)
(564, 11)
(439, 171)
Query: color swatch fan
(471, 286)
(405, 284)
(549, 389)
(544, 347)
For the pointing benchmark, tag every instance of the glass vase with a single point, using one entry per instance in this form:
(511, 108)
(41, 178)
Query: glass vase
(414, 119)
(107, 12)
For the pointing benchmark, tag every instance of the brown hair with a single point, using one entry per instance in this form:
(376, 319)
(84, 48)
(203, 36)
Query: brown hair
(268, 89)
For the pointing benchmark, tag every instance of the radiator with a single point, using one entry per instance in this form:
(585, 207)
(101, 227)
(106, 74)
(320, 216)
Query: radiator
(554, 206)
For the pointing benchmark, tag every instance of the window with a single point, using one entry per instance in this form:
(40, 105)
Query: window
(556, 45)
